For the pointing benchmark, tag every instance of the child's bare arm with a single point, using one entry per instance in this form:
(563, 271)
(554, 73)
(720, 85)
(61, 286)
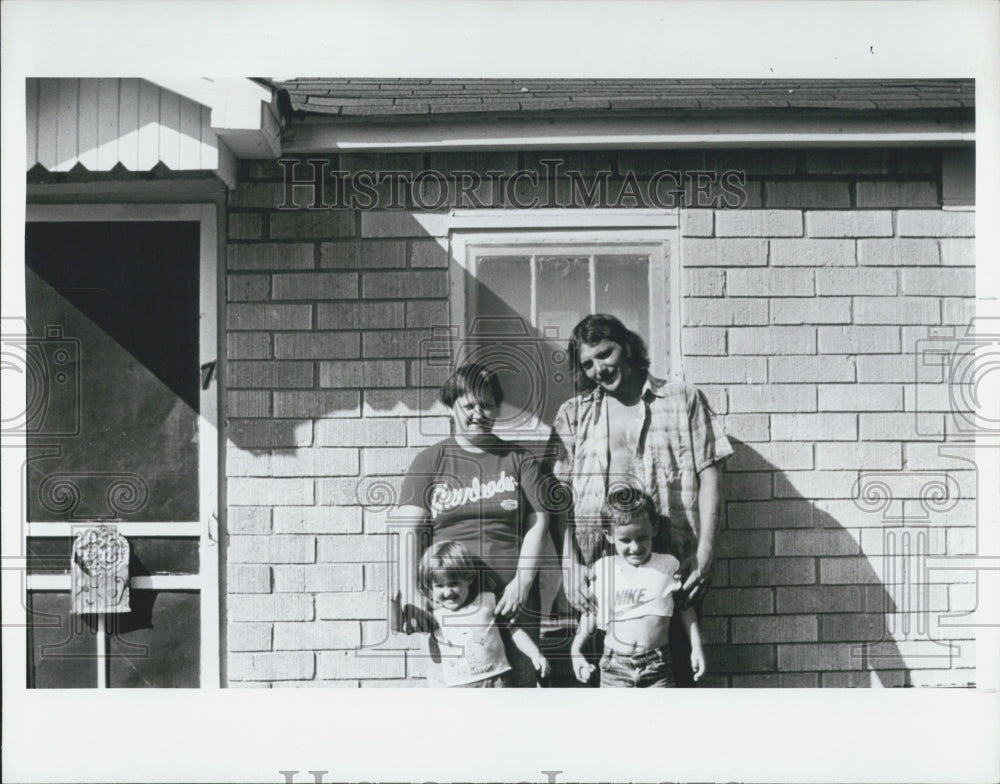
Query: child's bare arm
(582, 669)
(690, 621)
(527, 646)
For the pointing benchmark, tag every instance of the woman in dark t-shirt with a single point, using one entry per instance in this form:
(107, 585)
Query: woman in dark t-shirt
(486, 493)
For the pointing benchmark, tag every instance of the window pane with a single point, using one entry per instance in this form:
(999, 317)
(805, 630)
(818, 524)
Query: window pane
(623, 290)
(157, 644)
(563, 293)
(62, 648)
(502, 291)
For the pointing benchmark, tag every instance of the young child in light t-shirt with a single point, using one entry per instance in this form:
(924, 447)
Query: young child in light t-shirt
(466, 639)
(634, 590)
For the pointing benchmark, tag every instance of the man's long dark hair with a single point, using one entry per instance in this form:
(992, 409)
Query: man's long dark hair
(603, 326)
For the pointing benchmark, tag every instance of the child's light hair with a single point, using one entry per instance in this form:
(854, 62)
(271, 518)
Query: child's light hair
(625, 505)
(445, 561)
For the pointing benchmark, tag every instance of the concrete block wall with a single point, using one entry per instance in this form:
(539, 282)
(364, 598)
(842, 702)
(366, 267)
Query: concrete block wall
(806, 307)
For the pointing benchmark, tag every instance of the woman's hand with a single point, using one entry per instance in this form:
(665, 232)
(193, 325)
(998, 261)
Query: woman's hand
(576, 584)
(514, 597)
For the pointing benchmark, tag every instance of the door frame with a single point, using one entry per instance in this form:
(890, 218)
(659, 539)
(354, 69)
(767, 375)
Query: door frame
(206, 582)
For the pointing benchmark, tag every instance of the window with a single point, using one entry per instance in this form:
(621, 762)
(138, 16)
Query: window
(518, 292)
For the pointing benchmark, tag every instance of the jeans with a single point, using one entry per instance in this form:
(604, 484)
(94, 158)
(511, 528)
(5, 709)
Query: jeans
(640, 670)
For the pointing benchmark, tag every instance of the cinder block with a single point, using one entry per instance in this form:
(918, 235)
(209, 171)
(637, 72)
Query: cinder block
(897, 310)
(812, 253)
(391, 223)
(270, 607)
(353, 548)
(748, 427)
(427, 430)
(772, 397)
(314, 285)
(247, 403)
(902, 427)
(714, 629)
(931, 457)
(895, 541)
(315, 461)
(272, 433)
(940, 282)
(819, 369)
(936, 223)
(857, 282)
(269, 373)
(356, 664)
(779, 628)
(819, 599)
(429, 314)
(776, 455)
(746, 543)
(897, 194)
(769, 283)
(317, 345)
(271, 549)
(317, 520)
(367, 374)
(958, 311)
(898, 253)
(848, 571)
(825, 541)
(359, 315)
(703, 282)
(257, 195)
(859, 340)
(312, 224)
(317, 404)
(867, 456)
(270, 317)
(427, 253)
(408, 343)
(758, 223)
(696, 223)
(284, 666)
(271, 256)
(318, 579)
(404, 285)
(814, 427)
(739, 601)
(772, 340)
(899, 368)
(724, 311)
(342, 255)
(831, 194)
(243, 578)
(247, 288)
(849, 223)
(355, 491)
(811, 310)
(772, 571)
(361, 432)
(248, 637)
(703, 341)
(823, 657)
(316, 635)
(958, 253)
(402, 403)
(270, 492)
(382, 254)
(748, 486)
(248, 345)
(725, 370)
(815, 484)
(386, 461)
(855, 513)
(846, 161)
(769, 514)
(246, 462)
(740, 658)
(353, 604)
(724, 253)
(248, 520)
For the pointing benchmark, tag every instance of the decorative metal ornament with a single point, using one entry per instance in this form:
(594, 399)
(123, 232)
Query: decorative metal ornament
(99, 572)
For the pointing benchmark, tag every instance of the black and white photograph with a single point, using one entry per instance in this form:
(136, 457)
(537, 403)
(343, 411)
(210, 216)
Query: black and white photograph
(333, 393)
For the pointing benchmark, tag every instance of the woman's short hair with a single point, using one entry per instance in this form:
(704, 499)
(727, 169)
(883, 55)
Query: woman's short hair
(596, 327)
(474, 380)
(445, 561)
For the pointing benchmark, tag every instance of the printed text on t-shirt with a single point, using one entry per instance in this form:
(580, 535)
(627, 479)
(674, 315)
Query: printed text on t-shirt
(444, 497)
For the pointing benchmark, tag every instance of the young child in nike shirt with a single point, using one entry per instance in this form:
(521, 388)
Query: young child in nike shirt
(466, 639)
(634, 590)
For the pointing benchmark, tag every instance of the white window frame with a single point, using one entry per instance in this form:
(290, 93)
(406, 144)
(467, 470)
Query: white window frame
(206, 582)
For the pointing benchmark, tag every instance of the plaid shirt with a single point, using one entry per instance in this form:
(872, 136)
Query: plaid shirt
(680, 437)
